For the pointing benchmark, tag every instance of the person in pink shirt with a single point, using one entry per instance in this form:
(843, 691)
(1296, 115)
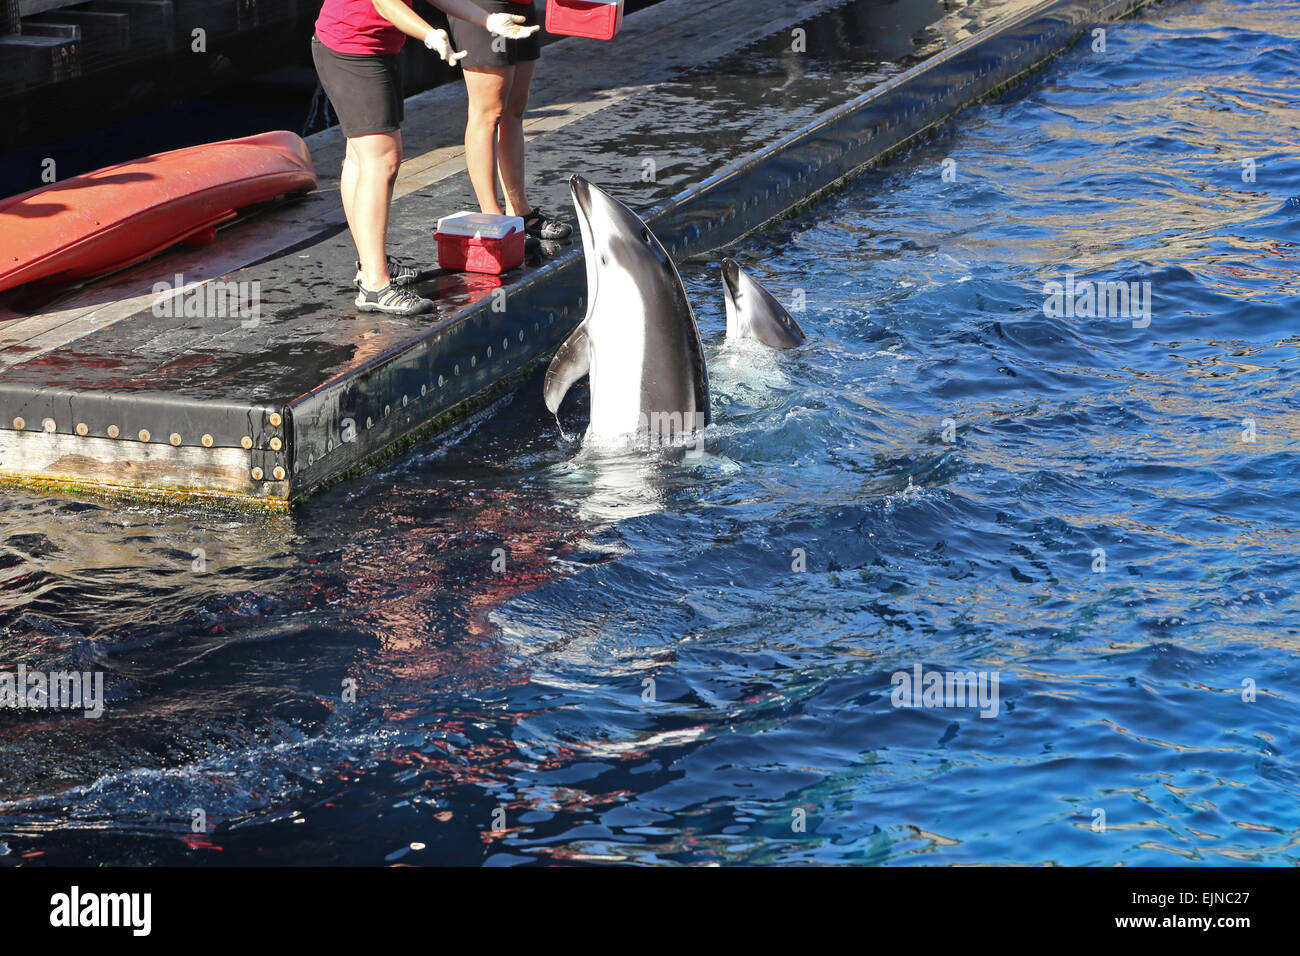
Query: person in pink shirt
(355, 50)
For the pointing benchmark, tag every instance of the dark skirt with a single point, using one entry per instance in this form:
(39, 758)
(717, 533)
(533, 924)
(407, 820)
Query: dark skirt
(365, 89)
(484, 48)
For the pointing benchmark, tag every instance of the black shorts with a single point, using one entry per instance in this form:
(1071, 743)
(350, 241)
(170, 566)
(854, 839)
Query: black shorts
(488, 50)
(365, 89)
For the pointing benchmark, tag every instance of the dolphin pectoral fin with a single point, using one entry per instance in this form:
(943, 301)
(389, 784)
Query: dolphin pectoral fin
(572, 361)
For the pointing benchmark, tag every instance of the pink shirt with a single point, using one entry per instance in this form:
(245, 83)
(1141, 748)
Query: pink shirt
(355, 26)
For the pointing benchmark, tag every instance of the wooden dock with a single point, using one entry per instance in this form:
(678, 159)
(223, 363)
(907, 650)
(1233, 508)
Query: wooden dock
(127, 389)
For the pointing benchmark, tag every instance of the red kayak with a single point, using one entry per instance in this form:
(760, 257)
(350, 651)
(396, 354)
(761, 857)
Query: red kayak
(98, 222)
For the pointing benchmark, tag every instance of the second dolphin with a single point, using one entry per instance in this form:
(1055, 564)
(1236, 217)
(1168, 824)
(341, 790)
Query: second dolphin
(754, 313)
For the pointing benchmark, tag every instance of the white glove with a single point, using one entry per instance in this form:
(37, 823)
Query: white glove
(440, 43)
(509, 25)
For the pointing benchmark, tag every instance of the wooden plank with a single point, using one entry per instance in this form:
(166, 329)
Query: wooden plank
(27, 8)
(133, 468)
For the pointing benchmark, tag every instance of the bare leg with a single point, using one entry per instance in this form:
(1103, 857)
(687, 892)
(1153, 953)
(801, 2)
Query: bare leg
(348, 181)
(487, 86)
(510, 140)
(369, 172)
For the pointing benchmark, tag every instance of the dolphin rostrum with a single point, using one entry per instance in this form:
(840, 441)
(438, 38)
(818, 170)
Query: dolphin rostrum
(639, 342)
(753, 312)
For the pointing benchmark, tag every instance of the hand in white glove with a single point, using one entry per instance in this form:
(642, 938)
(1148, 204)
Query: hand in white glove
(510, 26)
(440, 43)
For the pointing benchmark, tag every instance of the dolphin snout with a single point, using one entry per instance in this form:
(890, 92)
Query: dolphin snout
(580, 189)
(730, 273)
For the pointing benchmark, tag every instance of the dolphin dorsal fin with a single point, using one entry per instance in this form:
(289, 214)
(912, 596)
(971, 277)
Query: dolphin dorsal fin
(572, 361)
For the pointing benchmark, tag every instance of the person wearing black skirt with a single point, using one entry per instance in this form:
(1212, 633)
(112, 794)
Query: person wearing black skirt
(498, 75)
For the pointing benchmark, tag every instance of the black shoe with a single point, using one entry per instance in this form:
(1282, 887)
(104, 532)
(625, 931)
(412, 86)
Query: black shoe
(399, 273)
(537, 249)
(392, 300)
(537, 225)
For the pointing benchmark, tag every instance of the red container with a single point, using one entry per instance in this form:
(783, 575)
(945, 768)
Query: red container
(594, 19)
(477, 242)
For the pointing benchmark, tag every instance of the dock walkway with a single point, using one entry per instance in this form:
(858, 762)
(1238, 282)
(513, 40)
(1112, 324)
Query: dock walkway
(710, 119)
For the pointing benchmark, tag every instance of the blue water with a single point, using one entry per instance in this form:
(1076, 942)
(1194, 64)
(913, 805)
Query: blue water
(649, 678)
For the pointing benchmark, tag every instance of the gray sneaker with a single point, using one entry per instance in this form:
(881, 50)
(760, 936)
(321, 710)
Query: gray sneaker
(541, 226)
(393, 300)
(399, 273)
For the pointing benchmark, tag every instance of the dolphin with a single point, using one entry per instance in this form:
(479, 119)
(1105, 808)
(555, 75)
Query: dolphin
(639, 343)
(753, 312)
